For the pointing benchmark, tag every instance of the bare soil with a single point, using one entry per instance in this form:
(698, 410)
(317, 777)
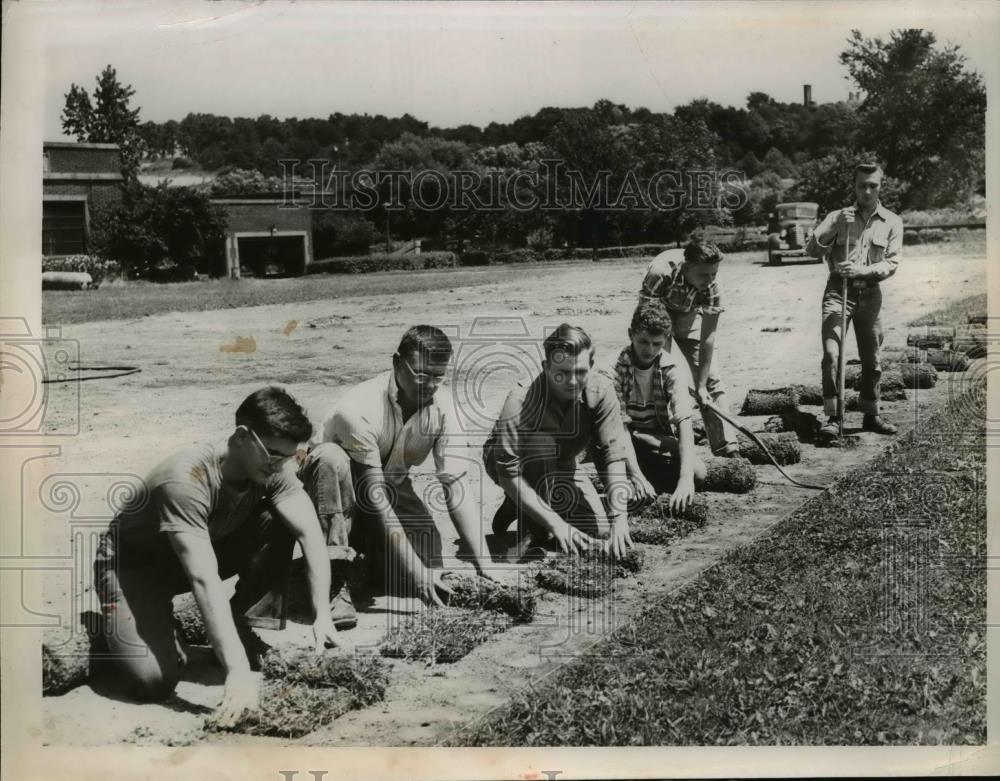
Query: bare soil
(197, 366)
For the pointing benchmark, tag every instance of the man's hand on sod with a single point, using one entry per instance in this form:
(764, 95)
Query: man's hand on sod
(242, 693)
(683, 495)
(570, 540)
(326, 636)
(620, 540)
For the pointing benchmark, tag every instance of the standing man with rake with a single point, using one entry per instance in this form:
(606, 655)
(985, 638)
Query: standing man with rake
(862, 245)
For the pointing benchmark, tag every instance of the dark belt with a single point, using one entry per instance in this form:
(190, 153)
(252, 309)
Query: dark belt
(837, 281)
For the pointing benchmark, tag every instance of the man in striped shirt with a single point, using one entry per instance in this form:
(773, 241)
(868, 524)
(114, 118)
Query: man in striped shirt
(688, 289)
(654, 391)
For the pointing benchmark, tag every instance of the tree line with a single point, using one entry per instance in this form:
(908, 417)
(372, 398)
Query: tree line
(920, 112)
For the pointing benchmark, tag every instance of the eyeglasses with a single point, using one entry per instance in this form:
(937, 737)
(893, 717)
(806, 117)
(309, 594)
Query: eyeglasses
(273, 456)
(422, 378)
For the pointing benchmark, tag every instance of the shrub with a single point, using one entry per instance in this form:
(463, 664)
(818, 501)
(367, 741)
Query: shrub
(182, 162)
(568, 253)
(367, 264)
(342, 234)
(515, 256)
(475, 257)
(540, 239)
(152, 225)
(99, 268)
(635, 251)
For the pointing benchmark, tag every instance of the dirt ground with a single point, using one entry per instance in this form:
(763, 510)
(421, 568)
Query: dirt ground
(196, 367)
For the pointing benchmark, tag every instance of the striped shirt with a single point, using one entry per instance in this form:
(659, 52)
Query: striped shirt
(671, 396)
(665, 280)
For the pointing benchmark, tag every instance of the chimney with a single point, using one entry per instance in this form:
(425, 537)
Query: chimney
(807, 95)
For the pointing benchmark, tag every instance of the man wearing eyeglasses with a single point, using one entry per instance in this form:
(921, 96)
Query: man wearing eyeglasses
(206, 513)
(386, 426)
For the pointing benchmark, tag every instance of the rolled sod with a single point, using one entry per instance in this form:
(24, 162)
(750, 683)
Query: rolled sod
(810, 395)
(587, 574)
(784, 447)
(977, 319)
(65, 659)
(729, 475)
(913, 375)
(805, 424)
(971, 340)
(482, 594)
(290, 711)
(931, 336)
(442, 635)
(948, 360)
(890, 383)
(770, 402)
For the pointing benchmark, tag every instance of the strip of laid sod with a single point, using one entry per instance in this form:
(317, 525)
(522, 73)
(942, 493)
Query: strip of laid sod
(657, 525)
(813, 635)
(442, 635)
(304, 691)
(588, 574)
(289, 711)
(518, 602)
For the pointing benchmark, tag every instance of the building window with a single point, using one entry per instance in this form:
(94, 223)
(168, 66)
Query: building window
(64, 227)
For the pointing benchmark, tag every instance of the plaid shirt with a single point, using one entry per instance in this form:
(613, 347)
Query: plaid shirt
(665, 280)
(671, 389)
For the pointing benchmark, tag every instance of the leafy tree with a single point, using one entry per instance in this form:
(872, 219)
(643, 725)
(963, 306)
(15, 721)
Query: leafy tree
(106, 120)
(157, 226)
(829, 181)
(336, 233)
(924, 113)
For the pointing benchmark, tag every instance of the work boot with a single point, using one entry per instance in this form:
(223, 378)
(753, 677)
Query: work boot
(343, 614)
(254, 646)
(878, 424)
(830, 430)
(505, 516)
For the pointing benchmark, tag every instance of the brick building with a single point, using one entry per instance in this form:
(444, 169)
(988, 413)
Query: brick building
(76, 178)
(266, 234)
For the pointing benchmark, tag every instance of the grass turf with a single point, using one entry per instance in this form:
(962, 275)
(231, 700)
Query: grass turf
(588, 574)
(479, 594)
(956, 313)
(65, 659)
(729, 475)
(304, 691)
(656, 525)
(832, 630)
(442, 634)
(783, 446)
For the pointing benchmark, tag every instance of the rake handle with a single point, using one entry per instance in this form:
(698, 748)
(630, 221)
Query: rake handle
(843, 339)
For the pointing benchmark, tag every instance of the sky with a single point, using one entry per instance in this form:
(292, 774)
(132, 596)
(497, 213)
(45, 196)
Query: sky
(456, 63)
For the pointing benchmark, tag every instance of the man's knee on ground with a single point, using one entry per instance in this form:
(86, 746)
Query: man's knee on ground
(153, 687)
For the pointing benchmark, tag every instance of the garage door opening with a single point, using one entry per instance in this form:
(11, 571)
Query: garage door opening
(271, 256)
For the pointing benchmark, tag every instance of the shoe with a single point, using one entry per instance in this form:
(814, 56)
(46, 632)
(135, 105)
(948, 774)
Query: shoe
(505, 516)
(830, 429)
(878, 425)
(255, 648)
(342, 610)
(343, 613)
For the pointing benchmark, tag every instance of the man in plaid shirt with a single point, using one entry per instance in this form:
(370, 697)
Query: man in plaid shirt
(654, 391)
(688, 289)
